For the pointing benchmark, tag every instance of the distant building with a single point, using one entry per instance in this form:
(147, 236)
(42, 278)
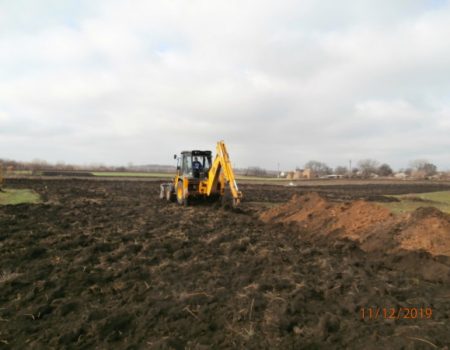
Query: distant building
(309, 174)
(332, 176)
(290, 175)
(435, 177)
(445, 175)
(401, 176)
(300, 174)
(419, 174)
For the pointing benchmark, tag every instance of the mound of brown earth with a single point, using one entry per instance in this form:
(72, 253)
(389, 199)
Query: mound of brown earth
(316, 213)
(372, 225)
(429, 229)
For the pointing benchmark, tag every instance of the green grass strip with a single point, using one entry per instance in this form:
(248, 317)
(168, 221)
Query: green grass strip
(13, 196)
(412, 201)
(130, 174)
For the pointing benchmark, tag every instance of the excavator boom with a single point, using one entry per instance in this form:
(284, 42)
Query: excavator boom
(222, 162)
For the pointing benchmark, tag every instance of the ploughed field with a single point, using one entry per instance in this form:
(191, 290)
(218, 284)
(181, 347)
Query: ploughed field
(107, 264)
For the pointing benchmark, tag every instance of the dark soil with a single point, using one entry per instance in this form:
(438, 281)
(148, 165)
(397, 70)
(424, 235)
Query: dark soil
(370, 192)
(106, 264)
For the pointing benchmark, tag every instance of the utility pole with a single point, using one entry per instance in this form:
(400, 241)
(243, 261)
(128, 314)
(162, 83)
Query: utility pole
(278, 172)
(350, 168)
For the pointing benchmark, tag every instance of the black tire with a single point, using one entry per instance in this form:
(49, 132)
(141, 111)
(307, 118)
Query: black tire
(180, 193)
(214, 197)
(181, 198)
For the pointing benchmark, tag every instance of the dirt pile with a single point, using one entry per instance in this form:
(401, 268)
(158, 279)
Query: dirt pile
(429, 229)
(316, 213)
(372, 225)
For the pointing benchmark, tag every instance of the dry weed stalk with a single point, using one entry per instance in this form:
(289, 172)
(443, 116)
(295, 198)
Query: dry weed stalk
(424, 341)
(8, 276)
(190, 311)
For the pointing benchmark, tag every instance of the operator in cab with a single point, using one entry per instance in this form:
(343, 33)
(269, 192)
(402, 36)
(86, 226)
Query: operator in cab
(196, 164)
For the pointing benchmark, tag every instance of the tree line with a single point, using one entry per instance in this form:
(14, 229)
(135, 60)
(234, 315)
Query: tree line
(364, 168)
(38, 164)
(370, 167)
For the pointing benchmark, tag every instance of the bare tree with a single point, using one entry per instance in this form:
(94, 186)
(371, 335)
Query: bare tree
(430, 169)
(368, 167)
(39, 164)
(424, 166)
(385, 170)
(417, 164)
(318, 168)
(341, 170)
(256, 171)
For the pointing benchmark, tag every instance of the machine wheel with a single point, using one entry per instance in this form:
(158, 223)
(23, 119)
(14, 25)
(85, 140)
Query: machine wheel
(215, 197)
(181, 199)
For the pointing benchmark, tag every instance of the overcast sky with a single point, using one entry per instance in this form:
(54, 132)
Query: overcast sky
(280, 81)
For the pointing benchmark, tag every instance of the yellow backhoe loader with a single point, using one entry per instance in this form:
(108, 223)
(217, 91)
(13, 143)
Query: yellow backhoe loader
(199, 177)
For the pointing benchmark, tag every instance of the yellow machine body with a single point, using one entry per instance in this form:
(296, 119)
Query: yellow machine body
(198, 176)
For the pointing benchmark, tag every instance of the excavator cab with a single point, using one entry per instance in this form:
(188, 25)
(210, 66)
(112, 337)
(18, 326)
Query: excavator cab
(198, 176)
(194, 164)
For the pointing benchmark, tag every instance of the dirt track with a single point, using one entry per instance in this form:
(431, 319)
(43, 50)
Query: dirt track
(106, 264)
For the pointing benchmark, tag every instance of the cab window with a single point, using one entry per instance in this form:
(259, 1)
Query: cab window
(187, 164)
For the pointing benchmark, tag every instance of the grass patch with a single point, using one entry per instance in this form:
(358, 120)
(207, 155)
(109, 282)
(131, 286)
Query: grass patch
(410, 202)
(131, 174)
(22, 172)
(10, 196)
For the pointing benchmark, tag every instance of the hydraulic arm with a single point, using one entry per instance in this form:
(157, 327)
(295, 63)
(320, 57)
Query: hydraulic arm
(222, 162)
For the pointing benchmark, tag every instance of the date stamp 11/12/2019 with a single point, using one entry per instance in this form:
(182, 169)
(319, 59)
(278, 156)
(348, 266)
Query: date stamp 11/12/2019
(400, 313)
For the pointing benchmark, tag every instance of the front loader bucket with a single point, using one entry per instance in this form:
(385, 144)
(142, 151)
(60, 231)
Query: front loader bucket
(167, 191)
(162, 193)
